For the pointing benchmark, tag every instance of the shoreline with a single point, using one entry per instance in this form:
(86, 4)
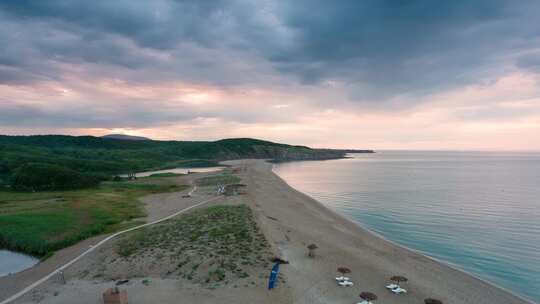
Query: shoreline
(429, 277)
(402, 247)
(290, 220)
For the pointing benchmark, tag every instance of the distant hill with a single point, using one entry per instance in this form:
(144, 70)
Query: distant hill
(104, 157)
(124, 137)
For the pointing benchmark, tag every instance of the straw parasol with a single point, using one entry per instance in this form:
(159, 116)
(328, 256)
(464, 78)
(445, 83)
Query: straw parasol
(343, 270)
(311, 248)
(398, 279)
(368, 296)
(432, 301)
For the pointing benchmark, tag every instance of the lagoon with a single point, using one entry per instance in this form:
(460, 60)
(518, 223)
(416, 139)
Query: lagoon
(13, 262)
(177, 171)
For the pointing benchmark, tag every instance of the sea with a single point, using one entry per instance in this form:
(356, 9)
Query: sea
(477, 211)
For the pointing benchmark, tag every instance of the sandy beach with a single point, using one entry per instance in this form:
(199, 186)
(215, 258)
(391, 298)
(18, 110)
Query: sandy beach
(290, 220)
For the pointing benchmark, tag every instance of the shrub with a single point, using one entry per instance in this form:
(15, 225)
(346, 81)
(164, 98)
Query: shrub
(43, 177)
(4, 167)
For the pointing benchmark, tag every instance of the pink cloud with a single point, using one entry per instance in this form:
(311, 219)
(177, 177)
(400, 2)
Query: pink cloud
(499, 115)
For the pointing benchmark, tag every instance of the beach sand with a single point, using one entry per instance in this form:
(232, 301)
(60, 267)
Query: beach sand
(290, 221)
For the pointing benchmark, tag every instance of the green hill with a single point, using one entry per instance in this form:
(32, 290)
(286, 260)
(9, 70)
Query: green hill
(102, 158)
(125, 137)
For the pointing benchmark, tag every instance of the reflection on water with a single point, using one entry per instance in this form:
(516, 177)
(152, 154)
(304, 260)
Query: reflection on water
(477, 211)
(177, 170)
(13, 262)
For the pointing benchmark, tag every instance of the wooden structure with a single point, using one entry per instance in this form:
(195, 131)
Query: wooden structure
(115, 296)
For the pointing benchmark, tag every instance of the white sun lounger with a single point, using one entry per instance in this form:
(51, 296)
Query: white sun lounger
(399, 290)
(345, 283)
(342, 278)
(364, 302)
(392, 286)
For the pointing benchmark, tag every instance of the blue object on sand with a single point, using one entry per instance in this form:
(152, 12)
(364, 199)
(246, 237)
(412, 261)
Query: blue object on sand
(273, 276)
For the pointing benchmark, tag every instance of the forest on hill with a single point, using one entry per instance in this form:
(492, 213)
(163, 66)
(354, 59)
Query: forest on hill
(40, 159)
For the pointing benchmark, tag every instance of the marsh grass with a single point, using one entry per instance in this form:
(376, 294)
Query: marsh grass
(42, 222)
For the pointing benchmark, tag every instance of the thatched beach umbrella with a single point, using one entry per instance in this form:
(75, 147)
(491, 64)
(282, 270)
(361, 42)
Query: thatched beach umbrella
(343, 270)
(432, 301)
(398, 279)
(368, 296)
(311, 248)
(279, 260)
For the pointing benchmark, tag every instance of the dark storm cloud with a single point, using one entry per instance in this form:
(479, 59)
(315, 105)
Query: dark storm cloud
(530, 62)
(153, 23)
(377, 49)
(134, 115)
(402, 46)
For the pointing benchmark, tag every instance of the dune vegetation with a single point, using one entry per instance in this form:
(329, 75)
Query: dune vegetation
(219, 179)
(216, 245)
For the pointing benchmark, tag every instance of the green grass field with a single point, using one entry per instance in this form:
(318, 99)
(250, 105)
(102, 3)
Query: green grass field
(40, 223)
(220, 179)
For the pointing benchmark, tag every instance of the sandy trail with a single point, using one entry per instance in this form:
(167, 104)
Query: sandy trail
(292, 220)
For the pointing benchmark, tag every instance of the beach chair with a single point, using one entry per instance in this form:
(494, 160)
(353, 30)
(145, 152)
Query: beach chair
(342, 278)
(398, 290)
(345, 283)
(392, 286)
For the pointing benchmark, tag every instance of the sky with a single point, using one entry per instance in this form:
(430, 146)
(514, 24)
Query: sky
(370, 74)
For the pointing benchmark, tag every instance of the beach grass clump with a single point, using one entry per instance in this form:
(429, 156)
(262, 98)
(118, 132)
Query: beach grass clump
(219, 179)
(39, 223)
(216, 244)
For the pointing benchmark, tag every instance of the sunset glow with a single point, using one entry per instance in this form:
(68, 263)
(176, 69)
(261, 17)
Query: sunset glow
(267, 75)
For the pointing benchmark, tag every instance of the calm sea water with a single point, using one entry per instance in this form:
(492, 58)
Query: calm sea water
(477, 211)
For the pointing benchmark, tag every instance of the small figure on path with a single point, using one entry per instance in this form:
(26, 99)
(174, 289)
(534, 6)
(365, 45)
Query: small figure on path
(311, 250)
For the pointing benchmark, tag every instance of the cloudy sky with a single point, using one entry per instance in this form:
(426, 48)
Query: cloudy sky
(360, 74)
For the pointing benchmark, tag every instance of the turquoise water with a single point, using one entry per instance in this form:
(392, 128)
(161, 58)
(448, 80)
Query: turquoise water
(477, 211)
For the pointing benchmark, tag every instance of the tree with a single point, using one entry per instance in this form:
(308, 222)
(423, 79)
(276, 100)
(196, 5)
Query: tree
(43, 177)
(4, 167)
